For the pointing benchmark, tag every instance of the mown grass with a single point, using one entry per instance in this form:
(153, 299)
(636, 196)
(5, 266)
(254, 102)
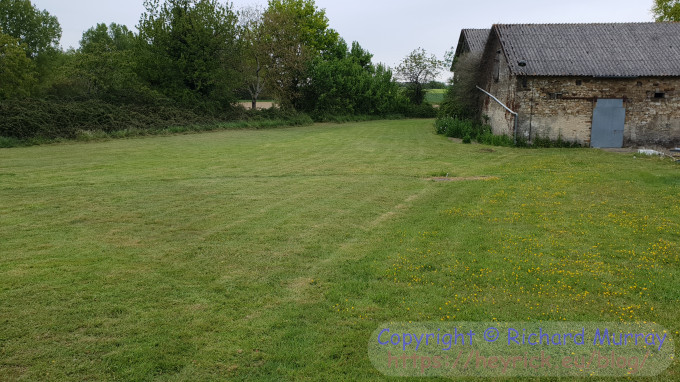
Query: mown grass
(274, 254)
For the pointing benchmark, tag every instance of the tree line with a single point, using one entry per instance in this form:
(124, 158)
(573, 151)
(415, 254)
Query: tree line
(193, 59)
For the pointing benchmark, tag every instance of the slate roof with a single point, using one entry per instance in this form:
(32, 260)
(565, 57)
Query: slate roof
(598, 50)
(472, 40)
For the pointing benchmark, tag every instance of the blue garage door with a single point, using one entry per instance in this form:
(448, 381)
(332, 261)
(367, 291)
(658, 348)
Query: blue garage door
(609, 117)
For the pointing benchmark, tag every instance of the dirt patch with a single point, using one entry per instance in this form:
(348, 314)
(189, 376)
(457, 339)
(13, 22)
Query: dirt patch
(462, 178)
(487, 151)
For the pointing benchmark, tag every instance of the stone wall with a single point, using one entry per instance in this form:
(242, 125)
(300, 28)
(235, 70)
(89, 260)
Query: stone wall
(563, 106)
(497, 79)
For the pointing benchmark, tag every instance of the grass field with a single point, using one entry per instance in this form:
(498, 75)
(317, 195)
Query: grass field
(435, 96)
(274, 254)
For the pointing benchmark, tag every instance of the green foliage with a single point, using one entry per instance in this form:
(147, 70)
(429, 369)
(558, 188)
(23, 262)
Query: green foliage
(488, 138)
(666, 10)
(40, 119)
(189, 50)
(64, 119)
(17, 72)
(469, 131)
(361, 56)
(545, 142)
(424, 110)
(101, 39)
(418, 69)
(186, 66)
(310, 24)
(460, 128)
(38, 30)
(296, 33)
(105, 67)
(349, 84)
(254, 54)
(110, 75)
(38, 34)
(462, 99)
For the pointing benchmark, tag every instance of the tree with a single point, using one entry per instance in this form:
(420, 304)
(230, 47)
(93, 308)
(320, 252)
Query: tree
(348, 83)
(190, 50)
(666, 10)
(37, 30)
(462, 98)
(417, 69)
(17, 72)
(105, 66)
(112, 38)
(254, 52)
(295, 33)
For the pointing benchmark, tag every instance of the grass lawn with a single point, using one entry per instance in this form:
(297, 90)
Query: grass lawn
(274, 254)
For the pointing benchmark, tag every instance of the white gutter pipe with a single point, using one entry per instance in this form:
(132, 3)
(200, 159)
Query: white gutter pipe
(506, 108)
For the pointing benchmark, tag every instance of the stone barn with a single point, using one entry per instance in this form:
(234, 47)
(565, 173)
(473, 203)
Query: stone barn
(602, 85)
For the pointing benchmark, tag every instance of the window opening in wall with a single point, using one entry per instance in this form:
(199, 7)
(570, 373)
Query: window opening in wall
(579, 82)
(496, 70)
(659, 95)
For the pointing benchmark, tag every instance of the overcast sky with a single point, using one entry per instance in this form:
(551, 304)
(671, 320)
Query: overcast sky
(389, 29)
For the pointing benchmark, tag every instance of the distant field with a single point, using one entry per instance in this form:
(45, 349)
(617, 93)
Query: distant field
(274, 254)
(435, 96)
(265, 104)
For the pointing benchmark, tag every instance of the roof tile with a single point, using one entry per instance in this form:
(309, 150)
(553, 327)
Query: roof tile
(601, 50)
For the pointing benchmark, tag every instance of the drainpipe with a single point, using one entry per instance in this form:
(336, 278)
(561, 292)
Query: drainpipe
(506, 108)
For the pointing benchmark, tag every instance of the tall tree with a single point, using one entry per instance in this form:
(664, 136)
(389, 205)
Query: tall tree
(296, 32)
(462, 97)
(666, 10)
(102, 38)
(38, 30)
(105, 65)
(349, 84)
(190, 50)
(17, 72)
(417, 69)
(254, 51)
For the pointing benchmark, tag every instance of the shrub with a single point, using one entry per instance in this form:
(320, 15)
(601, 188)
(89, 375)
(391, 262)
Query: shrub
(39, 120)
(548, 143)
(469, 130)
(424, 110)
(488, 138)
(460, 128)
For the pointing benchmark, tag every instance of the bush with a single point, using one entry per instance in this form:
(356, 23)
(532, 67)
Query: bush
(489, 138)
(424, 110)
(549, 143)
(469, 130)
(460, 128)
(39, 120)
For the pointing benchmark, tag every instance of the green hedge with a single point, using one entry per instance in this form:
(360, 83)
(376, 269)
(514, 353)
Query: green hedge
(41, 119)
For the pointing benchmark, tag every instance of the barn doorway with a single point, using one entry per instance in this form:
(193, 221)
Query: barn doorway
(609, 118)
